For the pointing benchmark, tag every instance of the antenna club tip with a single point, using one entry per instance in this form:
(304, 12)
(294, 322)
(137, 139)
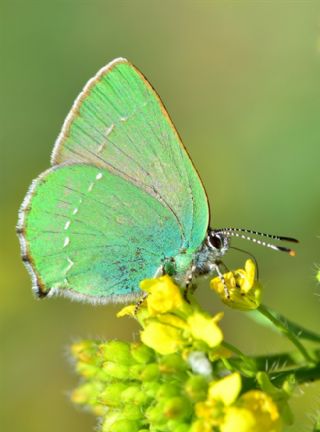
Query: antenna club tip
(292, 253)
(293, 240)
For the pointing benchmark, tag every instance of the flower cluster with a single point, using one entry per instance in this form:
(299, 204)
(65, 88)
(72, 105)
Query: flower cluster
(180, 377)
(170, 323)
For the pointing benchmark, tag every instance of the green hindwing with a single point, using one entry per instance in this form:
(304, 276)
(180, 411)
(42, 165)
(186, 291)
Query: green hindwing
(90, 234)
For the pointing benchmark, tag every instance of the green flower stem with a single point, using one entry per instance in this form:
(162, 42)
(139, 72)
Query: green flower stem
(284, 329)
(297, 329)
(302, 375)
(240, 362)
(234, 350)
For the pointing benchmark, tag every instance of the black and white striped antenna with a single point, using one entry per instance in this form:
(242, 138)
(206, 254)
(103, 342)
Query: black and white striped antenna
(243, 234)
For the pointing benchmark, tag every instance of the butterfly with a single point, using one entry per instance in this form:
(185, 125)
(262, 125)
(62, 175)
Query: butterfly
(122, 201)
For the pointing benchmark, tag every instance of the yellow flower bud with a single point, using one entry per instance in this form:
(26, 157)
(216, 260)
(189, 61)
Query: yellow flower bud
(200, 426)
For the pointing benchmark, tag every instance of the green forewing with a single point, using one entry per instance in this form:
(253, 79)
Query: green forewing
(118, 122)
(95, 234)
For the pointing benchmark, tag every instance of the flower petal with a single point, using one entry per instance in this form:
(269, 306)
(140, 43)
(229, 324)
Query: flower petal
(161, 337)
(204, 328)
(226, 390)
(127, 310)
(164, 295)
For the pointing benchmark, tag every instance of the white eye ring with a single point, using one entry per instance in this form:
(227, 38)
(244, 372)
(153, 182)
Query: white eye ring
(215, 241)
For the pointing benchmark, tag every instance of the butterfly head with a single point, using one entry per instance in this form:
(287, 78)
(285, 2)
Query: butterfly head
(218, 242)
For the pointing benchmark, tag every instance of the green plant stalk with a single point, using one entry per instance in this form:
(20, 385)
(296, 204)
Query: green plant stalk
(286, 331)
(302, 375)
(297, 329)
(234, 350)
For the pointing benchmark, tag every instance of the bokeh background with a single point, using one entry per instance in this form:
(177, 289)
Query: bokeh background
(241, 81)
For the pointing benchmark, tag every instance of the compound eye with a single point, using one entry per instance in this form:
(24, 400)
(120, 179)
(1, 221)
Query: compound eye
(216, 241)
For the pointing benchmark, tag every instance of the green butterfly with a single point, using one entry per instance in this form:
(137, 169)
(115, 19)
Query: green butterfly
(122, 201)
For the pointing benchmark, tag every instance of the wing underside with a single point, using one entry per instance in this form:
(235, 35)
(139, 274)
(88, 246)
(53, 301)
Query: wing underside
(92, 235)
(121, 197)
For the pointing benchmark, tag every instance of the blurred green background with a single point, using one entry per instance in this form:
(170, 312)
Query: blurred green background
(241, 81)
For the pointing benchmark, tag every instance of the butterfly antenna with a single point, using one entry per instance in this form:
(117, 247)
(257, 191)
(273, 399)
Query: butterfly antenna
(250, 255)
(243, 234)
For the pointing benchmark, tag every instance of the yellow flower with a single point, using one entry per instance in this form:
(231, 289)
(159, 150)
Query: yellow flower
(244, 290)
(163, 295)
(163, 338)
(255, 411)
(203, 327)
(221, 394)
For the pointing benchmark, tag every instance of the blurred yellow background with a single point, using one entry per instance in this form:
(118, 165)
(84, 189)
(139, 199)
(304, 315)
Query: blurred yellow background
(241, 81)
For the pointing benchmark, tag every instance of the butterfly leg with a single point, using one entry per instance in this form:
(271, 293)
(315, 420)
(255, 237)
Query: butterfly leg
(140, 302)
(190, 287)
(216, 267)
